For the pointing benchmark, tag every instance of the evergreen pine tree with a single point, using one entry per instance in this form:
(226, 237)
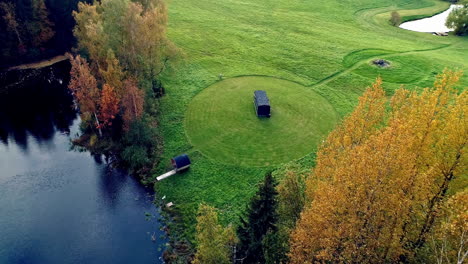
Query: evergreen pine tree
(261, 217)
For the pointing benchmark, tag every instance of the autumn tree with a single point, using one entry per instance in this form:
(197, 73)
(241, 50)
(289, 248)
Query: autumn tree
(113, 74)
(134, 30)
(448, 242)
(132, 102)
(148, 4)
(262, 217)
(9, 16)
(35, 30)
(214, 243)
(363, 122)
(109, 105)
(127, 47)
(89, 31)
(145, 49)
(383, 175)
(84, 88)
(41, 27)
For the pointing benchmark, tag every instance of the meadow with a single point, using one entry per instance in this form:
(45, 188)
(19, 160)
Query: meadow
(318, 51)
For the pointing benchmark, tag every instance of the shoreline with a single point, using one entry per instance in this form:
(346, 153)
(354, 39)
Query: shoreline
(38, 64)
(430, 24)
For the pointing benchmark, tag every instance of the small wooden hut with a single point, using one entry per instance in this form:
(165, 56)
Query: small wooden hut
(262, 104)
(181, 162)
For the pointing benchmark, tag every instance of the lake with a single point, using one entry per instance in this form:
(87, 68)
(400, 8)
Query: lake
(58, 205)
(431, 24)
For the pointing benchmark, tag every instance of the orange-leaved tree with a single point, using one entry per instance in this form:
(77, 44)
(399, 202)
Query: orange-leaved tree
(84, 87)
(132, 102)
(109, 105)
(382, 175)
(113, 74)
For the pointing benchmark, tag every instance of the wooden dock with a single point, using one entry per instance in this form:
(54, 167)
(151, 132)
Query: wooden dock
(166, 175)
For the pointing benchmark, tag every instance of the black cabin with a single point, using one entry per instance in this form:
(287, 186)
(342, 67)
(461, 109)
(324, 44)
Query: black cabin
(261, 103)
(181, 162)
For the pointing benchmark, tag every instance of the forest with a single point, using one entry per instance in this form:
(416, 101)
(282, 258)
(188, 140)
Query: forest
(32, 30)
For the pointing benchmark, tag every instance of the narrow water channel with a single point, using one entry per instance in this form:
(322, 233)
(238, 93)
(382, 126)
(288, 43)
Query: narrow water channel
(58, 205)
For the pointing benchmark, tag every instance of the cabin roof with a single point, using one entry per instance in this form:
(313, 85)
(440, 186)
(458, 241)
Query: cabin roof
(261, 98)
(181, 161)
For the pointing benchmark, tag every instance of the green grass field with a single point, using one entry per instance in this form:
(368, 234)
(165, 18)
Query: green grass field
(221, 122)
(317, 52)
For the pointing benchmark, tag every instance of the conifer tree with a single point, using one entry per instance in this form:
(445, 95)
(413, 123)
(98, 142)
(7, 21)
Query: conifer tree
(291, 200)
(262, 218)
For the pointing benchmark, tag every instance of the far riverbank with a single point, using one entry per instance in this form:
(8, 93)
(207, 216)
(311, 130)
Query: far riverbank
(39, 64)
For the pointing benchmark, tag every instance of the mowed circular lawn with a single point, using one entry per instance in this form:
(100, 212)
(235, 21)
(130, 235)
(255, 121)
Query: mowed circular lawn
(221, 121)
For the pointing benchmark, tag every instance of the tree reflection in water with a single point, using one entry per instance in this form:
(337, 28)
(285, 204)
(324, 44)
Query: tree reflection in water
(37, 103)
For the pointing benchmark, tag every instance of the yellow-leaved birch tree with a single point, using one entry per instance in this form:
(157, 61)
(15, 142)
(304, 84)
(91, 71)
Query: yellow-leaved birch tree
(382, 175)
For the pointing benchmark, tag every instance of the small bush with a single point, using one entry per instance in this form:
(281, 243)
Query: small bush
(138, 145)
(395, 18)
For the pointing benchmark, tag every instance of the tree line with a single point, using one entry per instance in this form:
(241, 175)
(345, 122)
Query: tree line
(381, 190)
(121, 50)
(35, 29)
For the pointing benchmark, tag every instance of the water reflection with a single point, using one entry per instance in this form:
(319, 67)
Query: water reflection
(35, 103)
(62, 206)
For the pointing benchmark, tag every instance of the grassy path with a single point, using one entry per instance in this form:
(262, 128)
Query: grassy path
(366, 60)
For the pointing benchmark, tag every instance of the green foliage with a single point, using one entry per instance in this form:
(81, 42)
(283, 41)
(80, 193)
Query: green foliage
(275, 246)
(262, 218)
(135, 156)
(134, 31)
(214, 243)
(127, 47)
(138, 145)
(458, 20)
(291, 199)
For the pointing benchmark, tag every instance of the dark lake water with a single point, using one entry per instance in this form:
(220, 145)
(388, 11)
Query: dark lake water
(58, 205)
